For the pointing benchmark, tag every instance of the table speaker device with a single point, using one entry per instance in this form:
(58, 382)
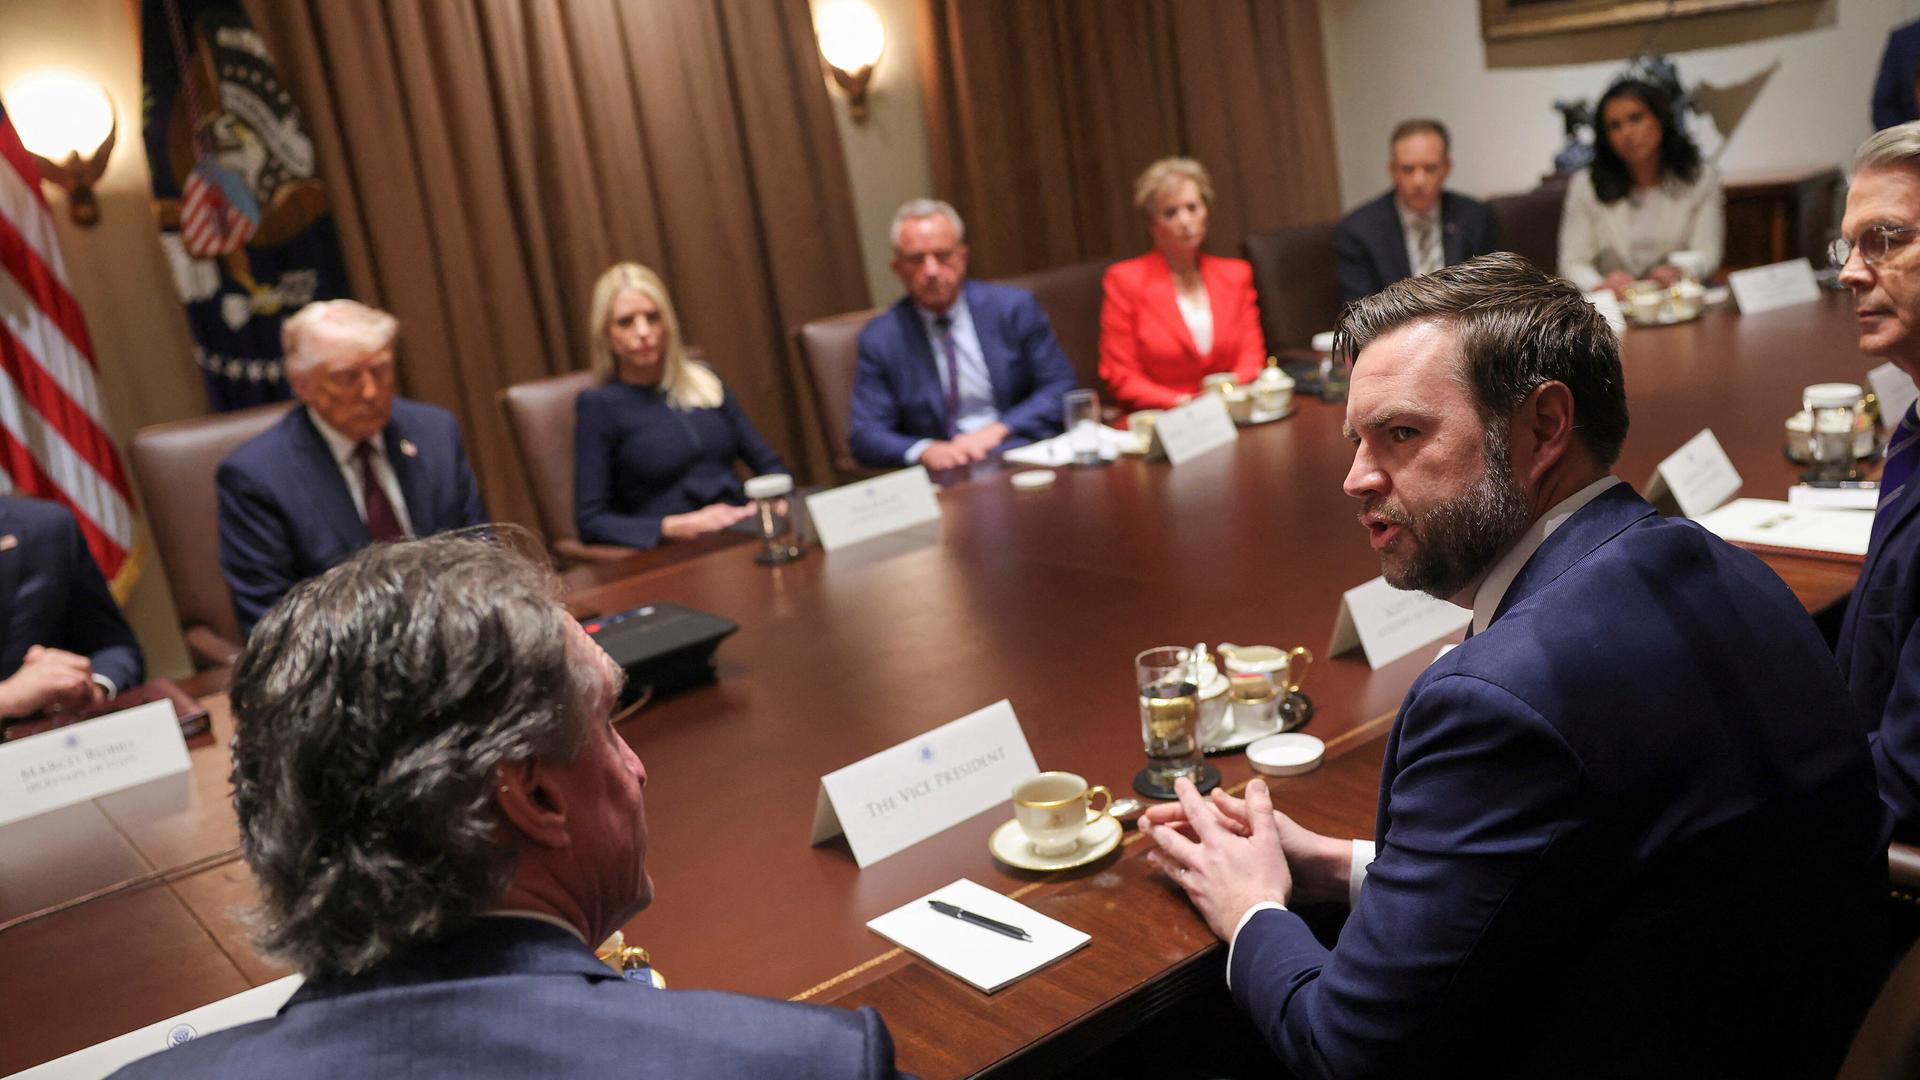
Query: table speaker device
(662, 647)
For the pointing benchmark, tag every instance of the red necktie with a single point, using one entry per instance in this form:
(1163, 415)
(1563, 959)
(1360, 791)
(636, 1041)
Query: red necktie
(944, 324)
(382, 522)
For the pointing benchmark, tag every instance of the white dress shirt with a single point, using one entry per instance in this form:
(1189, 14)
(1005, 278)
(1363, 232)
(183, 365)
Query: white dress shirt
(1487, 594)
(1197, 312)
(342, 449)
(975, 406)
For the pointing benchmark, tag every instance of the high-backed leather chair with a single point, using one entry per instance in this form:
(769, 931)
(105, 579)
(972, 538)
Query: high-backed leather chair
(1293, 272)
(540, 415)
(1071, 297)
(1529, 224)
(830, 350)
(173, 464)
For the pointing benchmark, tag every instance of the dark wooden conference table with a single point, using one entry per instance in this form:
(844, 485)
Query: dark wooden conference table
(1042, 598)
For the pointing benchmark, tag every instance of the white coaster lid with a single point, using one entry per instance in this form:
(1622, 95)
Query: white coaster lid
(1033, 479)
(1286, 755)
(769, 486)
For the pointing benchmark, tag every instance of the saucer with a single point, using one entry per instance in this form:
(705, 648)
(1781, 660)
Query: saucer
(1012, 847)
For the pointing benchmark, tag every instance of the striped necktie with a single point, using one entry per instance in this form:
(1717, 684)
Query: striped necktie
(1426, 235)
(944, 324)
(1903, 451)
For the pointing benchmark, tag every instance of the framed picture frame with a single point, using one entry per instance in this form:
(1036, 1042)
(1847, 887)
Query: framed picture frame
(1504, 20)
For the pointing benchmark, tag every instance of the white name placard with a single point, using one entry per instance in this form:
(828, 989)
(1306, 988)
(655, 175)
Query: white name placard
(876, 507)
(1388, 623)
(1700, 476)
(102, 1059)
(1896, 392)
(1200, 425)
(1782, 284)
(87, 760)
(906, 793)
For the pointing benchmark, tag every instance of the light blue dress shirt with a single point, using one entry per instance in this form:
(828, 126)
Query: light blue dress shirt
(976, 386)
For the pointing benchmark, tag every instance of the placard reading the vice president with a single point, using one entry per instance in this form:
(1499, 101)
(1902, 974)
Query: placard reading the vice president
(1700, 476)
(1388, 623)
(904, 794)
(876, 507)
(1200, 425)
(85, 760)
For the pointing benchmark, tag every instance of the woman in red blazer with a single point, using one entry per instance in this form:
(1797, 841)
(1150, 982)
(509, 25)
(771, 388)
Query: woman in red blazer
(1175, 315)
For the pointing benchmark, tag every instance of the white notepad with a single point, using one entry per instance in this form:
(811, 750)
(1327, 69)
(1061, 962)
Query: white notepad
(1777, 524)
(982, 957)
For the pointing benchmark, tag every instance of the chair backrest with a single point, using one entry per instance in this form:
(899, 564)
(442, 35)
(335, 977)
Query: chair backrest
(1071, 297)
(1293, 272)
(1529, 224)
(830, 351)
(174, 464)
(540, 416)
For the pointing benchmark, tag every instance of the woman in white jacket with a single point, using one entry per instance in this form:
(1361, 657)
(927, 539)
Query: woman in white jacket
(1646, 195)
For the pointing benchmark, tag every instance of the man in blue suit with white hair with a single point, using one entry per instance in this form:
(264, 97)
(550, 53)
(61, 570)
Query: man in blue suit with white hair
(353, 465)
(1628, 828)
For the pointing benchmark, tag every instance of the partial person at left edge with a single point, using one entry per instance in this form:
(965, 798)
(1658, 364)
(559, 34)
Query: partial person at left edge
(64, 644)
(351, 466)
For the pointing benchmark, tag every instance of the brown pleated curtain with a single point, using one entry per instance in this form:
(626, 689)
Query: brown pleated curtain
(1042, 112)
(487, 159)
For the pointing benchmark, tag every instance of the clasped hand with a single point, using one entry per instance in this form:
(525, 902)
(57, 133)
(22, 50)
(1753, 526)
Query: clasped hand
(49, 680)
(1230, 854)
(964, 449)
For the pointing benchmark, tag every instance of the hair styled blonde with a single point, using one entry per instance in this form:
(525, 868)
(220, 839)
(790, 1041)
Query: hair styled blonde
(1162, 175)
(687, 383)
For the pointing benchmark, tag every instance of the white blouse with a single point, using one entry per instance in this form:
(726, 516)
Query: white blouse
(1638, 232)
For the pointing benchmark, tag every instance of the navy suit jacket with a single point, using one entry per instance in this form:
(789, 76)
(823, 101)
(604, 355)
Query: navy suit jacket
(1893, 91)
(1879, 654)
(1370, 250)
(1627, 830)
(516, 998)
(897, 396)
(52, 594)
(286, 514)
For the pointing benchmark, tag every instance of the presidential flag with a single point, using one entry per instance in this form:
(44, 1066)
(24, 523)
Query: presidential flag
(53, 432)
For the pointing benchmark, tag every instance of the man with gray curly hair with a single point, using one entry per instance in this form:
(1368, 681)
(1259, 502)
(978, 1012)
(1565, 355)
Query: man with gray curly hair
(442, 820)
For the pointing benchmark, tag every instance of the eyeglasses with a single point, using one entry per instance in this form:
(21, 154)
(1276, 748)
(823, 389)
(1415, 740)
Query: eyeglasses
(1874, 244)
(943, 256)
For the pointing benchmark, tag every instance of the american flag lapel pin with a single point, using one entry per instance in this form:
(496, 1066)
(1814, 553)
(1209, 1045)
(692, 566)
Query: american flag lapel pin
(407, 448)
(9, 542)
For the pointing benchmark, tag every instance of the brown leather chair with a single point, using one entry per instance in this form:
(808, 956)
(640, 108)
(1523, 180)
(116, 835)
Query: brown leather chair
(1293, 272)
(173, 464)
(540, 415)
(830, 350)
(1071, 297)
(1529, 224)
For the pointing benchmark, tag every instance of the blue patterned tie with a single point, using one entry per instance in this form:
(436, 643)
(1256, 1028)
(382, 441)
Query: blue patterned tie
(1903, 451)
(944, 324)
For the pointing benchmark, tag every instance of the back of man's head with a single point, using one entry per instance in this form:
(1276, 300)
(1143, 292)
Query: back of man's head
(372, 709)
(1516, 328)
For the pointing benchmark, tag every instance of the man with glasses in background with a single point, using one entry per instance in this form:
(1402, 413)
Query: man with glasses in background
(353, 465)
(1878, 651)
(957, 369)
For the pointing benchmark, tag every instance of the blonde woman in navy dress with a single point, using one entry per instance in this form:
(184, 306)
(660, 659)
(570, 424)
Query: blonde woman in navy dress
(657, 442)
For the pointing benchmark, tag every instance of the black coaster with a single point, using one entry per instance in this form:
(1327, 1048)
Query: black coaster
(1206, 780)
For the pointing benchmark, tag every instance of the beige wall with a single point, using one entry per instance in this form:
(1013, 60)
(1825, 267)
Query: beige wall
(1805, 69)
(118, 273)
(887, 156)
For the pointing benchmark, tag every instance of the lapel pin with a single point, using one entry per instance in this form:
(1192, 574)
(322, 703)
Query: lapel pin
(407, 448)
(9, 542)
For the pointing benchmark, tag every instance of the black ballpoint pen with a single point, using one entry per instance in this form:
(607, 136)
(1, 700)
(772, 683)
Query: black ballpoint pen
(981, 921)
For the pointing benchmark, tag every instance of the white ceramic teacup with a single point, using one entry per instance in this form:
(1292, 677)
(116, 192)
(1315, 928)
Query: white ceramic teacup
(1053, 809)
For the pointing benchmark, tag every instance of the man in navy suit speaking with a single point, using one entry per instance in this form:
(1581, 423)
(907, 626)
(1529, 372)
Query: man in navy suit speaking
(1628, 828)
(443, 820)
(1879, 650)
(957, 369)
(351, 466)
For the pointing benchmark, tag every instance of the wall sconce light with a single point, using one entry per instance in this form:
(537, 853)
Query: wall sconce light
(67, 122)
(851, 39)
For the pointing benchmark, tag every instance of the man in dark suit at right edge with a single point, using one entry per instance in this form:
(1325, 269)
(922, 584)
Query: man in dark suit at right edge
(1417, 227)
(1628, 828)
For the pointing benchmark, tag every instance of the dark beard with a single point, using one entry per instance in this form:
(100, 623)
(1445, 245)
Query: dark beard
(1456, 541)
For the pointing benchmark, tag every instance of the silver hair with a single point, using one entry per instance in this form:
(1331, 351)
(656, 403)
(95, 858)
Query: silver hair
(373, 709)
(913, 209)
(1897, 147)
(341, 322)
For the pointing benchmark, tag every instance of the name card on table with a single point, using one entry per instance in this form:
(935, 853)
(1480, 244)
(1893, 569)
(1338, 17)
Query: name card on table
(1200, 425)
(906, 793)
(1896, 392)
(1699, 476)
(1388, 623)
(89, 759)
(1782, 284)
(876, 507)
(259, 1003)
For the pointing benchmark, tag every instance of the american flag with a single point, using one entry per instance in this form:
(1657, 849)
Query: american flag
(217, 212)
(53, 437)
